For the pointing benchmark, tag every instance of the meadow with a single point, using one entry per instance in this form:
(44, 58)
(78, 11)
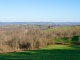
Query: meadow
(36, 43)
(51, 52)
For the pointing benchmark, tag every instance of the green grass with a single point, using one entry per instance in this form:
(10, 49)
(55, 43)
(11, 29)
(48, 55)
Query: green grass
(52, 52)
(59, 40)
(61, 28)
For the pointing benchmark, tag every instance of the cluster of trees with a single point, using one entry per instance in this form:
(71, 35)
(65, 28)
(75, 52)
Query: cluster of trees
(15, 39)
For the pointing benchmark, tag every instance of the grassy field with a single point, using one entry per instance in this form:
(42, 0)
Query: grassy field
(52, 52)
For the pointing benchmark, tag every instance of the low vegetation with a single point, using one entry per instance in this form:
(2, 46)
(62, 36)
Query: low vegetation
(23, 38)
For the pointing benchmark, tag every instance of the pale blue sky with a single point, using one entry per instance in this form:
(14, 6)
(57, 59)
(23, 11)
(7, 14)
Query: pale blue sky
(40, 10)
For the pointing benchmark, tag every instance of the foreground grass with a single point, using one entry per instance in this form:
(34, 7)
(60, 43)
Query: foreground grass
(53, 52)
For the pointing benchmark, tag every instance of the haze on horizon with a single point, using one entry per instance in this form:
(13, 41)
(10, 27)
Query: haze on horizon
(40, 10)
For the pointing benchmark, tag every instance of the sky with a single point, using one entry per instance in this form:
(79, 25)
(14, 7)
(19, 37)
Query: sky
(39, 10)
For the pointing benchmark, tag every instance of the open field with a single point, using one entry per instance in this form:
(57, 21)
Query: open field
(39, 29)
(52, 52)
(48, 43)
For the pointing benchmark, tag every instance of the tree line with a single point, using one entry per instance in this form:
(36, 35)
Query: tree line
(16, 39)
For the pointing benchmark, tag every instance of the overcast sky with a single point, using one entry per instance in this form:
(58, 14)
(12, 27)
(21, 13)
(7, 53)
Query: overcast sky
(39, 10)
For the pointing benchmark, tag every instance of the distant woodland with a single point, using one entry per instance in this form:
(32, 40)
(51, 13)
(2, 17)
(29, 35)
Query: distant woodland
(29, 38)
